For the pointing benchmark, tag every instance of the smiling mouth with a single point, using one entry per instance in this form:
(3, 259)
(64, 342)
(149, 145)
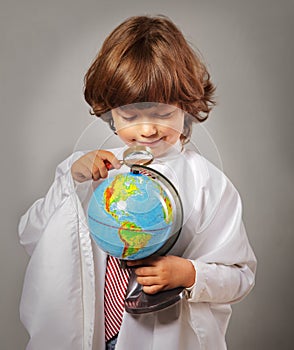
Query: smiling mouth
(149, 143)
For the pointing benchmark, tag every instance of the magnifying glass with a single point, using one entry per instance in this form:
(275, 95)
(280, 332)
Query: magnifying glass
(135, 155)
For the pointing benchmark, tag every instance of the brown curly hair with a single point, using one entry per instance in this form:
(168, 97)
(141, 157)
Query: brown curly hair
(147, 59)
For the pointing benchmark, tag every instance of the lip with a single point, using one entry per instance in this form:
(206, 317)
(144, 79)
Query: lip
(149, 143)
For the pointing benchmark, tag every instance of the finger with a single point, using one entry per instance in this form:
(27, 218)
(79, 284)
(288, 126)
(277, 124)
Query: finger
(105, 161)
(96, 174)
(145, 271)
(92, 168)
(84, 173)
(87, 173)
(148, 280)
(98, 168)
(152, 289)
(99, 163)
(109, 157)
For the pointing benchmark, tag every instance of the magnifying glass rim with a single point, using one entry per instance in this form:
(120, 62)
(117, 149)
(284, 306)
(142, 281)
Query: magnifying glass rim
(137, 150)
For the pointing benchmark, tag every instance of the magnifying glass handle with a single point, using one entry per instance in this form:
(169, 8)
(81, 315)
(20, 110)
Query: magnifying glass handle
(109, 166)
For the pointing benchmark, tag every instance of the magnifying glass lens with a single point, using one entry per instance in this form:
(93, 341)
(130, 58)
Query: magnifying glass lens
(139, 155)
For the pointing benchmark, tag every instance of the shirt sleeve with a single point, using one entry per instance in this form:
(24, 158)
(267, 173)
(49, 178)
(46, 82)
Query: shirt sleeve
(223, 258)
(220, 283)
(34, 221)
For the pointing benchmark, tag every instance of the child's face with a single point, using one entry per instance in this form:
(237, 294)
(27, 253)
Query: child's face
(158, 127)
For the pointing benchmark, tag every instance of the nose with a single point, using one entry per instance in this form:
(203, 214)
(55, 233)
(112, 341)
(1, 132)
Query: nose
(147, 129)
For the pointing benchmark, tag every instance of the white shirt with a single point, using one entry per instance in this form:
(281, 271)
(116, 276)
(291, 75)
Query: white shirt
(62, 300)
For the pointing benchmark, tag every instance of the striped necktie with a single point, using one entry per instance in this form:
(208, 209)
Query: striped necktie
(116, 282)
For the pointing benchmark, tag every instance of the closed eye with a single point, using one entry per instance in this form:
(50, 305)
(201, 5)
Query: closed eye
(128, 118)
(164, 116)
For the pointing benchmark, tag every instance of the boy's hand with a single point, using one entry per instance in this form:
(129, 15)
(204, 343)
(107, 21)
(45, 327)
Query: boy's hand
(94, 165)
(163, 273)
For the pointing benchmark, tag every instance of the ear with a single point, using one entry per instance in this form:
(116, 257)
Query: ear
(111, 124)
(187, 129)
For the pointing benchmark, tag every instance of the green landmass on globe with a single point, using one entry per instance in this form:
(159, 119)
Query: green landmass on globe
(132, 243)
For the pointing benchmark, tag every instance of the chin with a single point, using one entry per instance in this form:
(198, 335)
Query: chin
(158, 151)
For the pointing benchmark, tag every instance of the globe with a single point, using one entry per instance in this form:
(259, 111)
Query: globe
(131, 215)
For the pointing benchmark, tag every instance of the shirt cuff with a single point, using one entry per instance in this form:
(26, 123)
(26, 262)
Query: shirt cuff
(189, 290)
(194, 292)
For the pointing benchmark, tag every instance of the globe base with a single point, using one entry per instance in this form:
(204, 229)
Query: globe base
(138, 302)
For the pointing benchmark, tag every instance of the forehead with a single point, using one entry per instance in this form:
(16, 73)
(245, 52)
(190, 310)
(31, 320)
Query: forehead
(148, 107)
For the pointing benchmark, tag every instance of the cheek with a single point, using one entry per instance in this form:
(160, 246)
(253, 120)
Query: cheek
(125, 134)
(176, 129)
(181, 121)
(174, 135)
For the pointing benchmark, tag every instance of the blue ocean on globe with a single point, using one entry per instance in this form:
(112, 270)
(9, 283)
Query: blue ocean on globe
(130, 216)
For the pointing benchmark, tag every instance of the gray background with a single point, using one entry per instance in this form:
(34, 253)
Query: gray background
(46, 47)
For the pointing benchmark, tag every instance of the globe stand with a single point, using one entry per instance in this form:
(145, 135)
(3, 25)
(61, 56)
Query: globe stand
(137, 301)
